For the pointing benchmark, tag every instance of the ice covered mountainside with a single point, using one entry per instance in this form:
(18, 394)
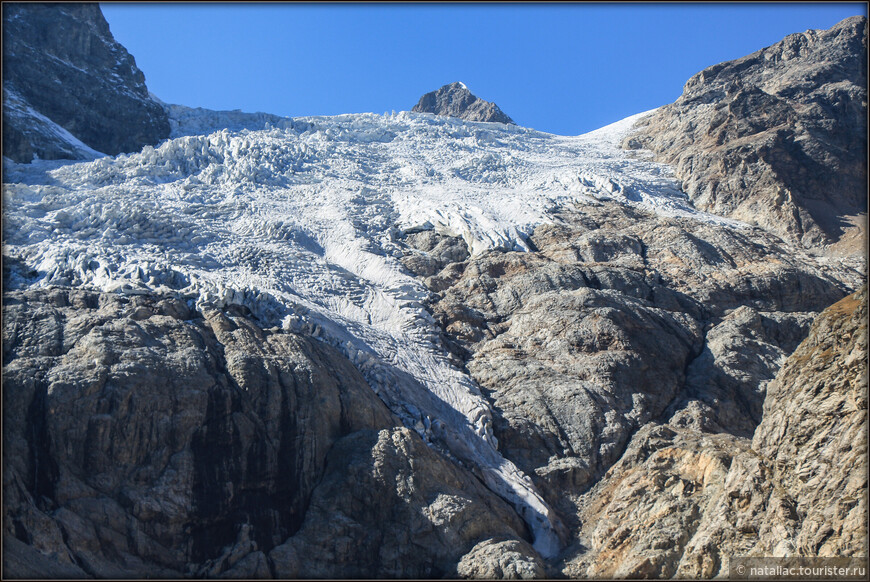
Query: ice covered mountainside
(587, 346)
(298, 223)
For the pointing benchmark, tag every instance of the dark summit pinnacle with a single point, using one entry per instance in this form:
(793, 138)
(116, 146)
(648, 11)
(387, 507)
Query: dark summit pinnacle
(455, 100)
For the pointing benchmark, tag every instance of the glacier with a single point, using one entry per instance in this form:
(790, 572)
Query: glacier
(300, 220)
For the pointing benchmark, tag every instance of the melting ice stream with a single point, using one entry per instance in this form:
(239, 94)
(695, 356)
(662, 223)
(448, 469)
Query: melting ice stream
(301, 223)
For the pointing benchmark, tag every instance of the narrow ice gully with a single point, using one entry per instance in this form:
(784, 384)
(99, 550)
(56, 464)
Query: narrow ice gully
(301, 221)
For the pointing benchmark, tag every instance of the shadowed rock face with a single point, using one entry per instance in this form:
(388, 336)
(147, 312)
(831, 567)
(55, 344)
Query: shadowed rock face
(455, 100)
(630, 358)
(145, 438)
(61, 62)
(814, 431)
(777, 138)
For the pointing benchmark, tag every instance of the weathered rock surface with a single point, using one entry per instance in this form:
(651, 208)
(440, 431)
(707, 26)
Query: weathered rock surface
(674, 505)
(814, 432)
(501, 560)
(419, 528)
(143, 437)
(584, 341)
(64, 72)
(777, 138)
(726, 384)
(681, 502)
(618, 323)
(455, 100)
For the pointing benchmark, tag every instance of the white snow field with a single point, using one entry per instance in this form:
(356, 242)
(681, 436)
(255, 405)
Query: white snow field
(299, 222)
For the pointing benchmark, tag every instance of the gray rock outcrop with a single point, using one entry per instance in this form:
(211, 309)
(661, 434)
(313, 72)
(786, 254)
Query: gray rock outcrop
(620, 318)
(814, 432)
(455, 100)
(727, 383)
(67, 84)
(419, 527)
(777, 138)
(144, 438)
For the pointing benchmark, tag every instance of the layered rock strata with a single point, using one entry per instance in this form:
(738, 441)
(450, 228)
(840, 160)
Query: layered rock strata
(626, 333)
(142, 438)
(681, 502)
(617, 316)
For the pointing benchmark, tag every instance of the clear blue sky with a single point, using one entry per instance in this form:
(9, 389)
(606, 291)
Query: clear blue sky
(560, 68)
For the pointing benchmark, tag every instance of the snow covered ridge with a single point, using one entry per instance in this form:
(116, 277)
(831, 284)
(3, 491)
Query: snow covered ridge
(198, 121)
(301, 224)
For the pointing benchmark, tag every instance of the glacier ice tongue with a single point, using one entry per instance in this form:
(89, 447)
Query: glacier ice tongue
(298, 223)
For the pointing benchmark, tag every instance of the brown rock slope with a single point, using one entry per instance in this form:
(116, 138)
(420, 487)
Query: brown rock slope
(681, 502)
(814, 431)
(61, 65)
(777, 138)
(455, 100)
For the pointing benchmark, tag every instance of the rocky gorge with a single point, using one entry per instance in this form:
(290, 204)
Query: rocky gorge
(679, 392)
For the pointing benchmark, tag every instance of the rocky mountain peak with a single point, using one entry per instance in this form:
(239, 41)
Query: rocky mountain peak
(777, 138)
(455, 100)
(216, 362)
(823, 53)
(70, 90)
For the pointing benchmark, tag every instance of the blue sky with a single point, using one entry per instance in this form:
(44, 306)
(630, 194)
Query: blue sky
(560, 68)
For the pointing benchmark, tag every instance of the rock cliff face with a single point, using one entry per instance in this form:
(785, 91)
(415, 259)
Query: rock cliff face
(777, 138)
(144, 438)
(455, 100)
(814, 432)
(69, 88)
(618, 322)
